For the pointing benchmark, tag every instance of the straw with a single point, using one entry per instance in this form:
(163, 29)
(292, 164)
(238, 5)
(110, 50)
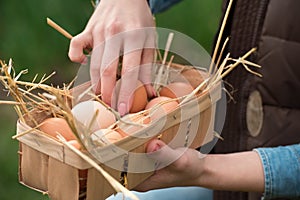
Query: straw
(58, 28)
(220, 37)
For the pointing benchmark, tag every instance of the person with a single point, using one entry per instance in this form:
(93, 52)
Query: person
(260, 152)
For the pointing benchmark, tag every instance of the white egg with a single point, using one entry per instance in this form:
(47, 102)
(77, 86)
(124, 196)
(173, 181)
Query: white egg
(93, 115)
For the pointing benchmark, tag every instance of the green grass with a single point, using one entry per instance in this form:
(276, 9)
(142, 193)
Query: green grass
(197, 19)
(25, 37)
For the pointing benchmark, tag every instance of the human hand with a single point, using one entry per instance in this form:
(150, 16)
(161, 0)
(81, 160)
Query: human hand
(185, 169)
(240, 171)
(118, 26)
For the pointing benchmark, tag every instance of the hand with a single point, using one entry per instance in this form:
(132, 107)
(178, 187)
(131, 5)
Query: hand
(117, 26)
(186, 166)
(240, 171)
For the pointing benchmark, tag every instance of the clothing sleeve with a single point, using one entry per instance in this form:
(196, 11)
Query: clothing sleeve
(161, 5)
(156, 6)
(281, 167)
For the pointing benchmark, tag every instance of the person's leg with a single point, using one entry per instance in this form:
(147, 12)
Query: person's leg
(178, 193)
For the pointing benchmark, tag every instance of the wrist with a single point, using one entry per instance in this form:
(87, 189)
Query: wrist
(234, 172)
(209, 171)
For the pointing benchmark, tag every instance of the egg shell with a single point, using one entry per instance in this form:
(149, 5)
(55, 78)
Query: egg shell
(85, 111)
(163, 109)
(176, 90)
(193, 76)
(107, 136)
(55, 126)
(139, 98)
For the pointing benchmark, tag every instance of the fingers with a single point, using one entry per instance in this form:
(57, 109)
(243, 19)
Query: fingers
(108, 71)
(130, 72)
(96, 59)
(136, 65)
(176, 167)
(77, 45)
(163, 154)
(133, 46)
(145, 72)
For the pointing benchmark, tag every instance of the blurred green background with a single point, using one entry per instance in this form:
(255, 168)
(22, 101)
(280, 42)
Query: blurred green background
(32, 44)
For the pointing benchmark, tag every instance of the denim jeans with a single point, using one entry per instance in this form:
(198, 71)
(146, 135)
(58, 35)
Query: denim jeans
(178, 193)
(281, 170)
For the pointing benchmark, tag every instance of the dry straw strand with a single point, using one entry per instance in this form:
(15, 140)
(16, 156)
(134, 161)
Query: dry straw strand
(220, 37)
(59, 28)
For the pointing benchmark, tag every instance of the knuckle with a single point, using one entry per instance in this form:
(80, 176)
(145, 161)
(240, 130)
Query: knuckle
(77, 40)
(113, 28)
(98, 29)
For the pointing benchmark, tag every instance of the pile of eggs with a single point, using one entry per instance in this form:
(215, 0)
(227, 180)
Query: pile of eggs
(100, 120)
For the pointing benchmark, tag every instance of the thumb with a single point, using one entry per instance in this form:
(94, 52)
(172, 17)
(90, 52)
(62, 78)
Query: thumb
(163, 154)
(77, 45)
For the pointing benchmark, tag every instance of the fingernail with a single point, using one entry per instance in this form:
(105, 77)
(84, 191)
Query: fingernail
(122, 109)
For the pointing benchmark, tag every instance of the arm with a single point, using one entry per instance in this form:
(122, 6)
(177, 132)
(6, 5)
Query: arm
(220, 172)
(235, 172)
(243, 171)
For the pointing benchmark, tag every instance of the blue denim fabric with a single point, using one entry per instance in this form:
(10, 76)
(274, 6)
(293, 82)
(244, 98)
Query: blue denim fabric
(281, 170)
(178, 193)
(161, 5)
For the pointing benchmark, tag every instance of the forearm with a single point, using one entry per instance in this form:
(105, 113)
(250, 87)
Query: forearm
(233, 172)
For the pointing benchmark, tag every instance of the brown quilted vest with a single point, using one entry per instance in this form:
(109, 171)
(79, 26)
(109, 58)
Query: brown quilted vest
(266, 111)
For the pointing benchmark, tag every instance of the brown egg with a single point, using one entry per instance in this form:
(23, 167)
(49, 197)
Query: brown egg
(194, 76)
(164, 108)
(107, 136)
(176, 89)
(139, 97)
(55, 126)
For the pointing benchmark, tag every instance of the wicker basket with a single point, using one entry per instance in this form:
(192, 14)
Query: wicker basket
(48, 166)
